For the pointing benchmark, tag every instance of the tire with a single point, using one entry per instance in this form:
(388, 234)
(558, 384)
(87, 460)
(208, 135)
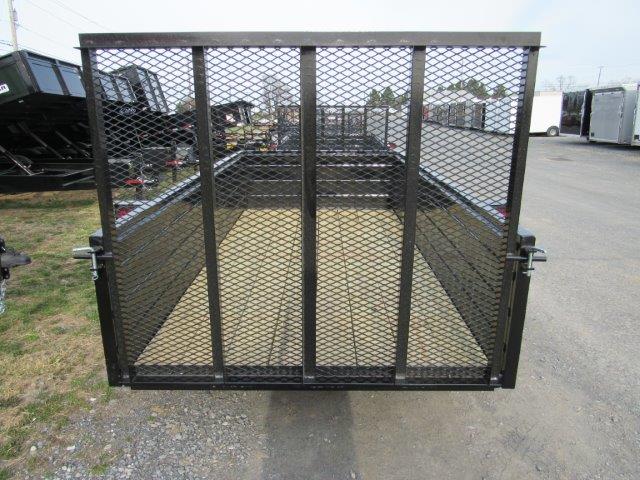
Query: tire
(553, 131)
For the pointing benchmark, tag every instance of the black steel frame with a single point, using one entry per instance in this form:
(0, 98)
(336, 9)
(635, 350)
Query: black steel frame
(515, 283)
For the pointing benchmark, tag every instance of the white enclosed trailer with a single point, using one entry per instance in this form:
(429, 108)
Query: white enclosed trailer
(546, 113)
(613, 113)
(500, 115)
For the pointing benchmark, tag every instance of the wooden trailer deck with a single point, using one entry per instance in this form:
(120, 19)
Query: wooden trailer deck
(357, 298)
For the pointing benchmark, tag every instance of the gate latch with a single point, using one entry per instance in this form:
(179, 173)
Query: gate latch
(89, 253)
(529, 256)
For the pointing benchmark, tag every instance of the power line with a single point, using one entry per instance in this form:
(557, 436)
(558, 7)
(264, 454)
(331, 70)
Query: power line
(33, 49)
(43, 36)
(63, 5)
(48, 12)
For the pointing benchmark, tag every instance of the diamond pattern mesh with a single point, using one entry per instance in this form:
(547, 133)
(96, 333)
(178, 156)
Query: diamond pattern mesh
(158, 235)
(472, 99)
(258, 203)
(359, 239)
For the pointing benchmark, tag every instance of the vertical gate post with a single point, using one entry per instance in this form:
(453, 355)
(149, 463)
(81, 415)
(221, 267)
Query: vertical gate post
(105, 202)
(412, 163)
(205, 157)
(519, 292)
(309, 204)
(514, 198)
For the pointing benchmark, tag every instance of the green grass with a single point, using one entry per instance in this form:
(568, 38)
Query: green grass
(50, 352)
(101, 467)
(50, 408)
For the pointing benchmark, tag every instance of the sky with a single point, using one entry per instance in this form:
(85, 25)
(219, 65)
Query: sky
(579, 36)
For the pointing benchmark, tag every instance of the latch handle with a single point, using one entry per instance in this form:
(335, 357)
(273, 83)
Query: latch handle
(88, 253)
(529, 257)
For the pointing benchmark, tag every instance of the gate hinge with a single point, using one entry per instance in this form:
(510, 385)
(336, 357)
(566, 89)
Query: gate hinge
(529, 256)
(94, 254)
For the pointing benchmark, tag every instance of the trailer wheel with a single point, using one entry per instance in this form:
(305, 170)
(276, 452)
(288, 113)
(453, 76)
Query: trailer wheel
(553, 132)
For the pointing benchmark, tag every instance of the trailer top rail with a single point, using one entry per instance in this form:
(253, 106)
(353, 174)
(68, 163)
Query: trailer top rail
(311, 39)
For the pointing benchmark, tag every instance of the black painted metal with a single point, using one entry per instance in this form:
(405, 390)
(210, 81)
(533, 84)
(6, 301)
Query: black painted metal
(517, 310)
(309, 184)
(107, 325)
(412, 163)
(205, 147)
(516, 183)
(105, 199)
(308, 39)
(362, 173)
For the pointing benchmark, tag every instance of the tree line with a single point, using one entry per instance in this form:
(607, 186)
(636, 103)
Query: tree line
(475, 87)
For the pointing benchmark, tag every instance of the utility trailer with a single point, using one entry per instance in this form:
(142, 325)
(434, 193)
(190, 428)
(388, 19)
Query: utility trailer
(546, 113)
(613, 114)
(575, 108)
(44, 134)
(635, 140)
(330, 260)
(43, 124)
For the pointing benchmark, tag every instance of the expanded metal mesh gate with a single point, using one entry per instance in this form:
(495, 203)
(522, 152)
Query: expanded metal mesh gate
(287, 209)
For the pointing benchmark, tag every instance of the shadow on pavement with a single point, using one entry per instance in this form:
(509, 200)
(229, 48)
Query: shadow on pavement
(309, 436)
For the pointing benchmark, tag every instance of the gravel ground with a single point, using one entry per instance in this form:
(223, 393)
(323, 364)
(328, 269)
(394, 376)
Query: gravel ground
(574, 414)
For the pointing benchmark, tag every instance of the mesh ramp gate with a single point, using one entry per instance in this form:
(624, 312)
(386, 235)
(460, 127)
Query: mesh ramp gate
(283, 209)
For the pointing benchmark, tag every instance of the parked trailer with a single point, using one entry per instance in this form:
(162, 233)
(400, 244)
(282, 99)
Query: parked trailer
(636, 121)
(44, 135)
(612, 114)
(43, 124)
(331, 260)
(501, 115)
(572, 117)
(546, 113)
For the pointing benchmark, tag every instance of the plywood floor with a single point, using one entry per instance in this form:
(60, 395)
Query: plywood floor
(358, 280)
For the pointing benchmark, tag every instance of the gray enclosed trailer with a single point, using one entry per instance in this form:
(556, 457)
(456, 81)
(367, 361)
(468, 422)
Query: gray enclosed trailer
(635, 140)
(613, 111)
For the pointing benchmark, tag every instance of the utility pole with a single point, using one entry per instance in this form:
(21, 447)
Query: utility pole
(599, 74)
(13, 21)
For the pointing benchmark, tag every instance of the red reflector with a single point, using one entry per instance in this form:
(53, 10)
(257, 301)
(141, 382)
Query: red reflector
(392, 145)
(122, 211)
(134, 182)
(502, 211)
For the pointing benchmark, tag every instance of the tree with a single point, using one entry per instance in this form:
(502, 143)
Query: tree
(185, 105)
(374, 98)
(473, 86)
(562, 84)
(387, 98)
(500, 92)
(401, 100)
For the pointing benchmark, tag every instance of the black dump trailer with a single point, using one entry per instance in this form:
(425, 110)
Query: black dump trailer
(45, 141)
(43, 124)
(362, 248)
